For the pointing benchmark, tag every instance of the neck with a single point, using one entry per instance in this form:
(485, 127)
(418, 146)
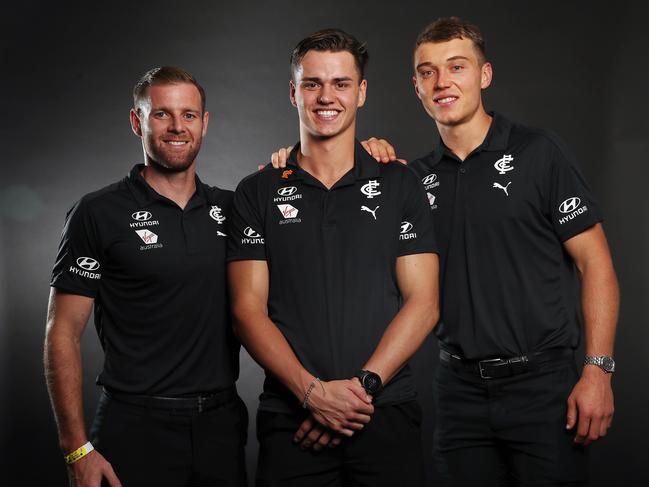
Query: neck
(463, 138)
(177, 186)
(327, 159)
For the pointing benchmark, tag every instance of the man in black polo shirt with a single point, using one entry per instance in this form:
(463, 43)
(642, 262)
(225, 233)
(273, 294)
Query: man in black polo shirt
(148, 252)
(334, 283)
(515, 219)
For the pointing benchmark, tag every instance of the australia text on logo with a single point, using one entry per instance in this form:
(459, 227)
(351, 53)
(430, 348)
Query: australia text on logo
(287, 193)
(216, 215)
(571, 209)
(430, 181)
(503, 164)
(405, 233)
(252, 237)
(369, 189)
(143, 219)
(86, 265)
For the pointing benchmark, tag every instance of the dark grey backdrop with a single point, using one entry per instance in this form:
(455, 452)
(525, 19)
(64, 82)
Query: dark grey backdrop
(67, 72)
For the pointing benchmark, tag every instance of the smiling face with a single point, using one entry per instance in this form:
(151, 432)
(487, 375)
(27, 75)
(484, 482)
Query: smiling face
(171, 123)
(449, 78)
(327, 91)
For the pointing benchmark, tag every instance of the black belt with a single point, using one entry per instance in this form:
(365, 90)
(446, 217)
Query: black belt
(196, 403)
(496, 368)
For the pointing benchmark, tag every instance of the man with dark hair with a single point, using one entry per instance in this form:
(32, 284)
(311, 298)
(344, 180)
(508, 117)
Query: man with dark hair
(515, 222)
(333, 280)
(149, 253)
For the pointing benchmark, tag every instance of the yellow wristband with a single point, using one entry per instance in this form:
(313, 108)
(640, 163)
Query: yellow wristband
(79, 453)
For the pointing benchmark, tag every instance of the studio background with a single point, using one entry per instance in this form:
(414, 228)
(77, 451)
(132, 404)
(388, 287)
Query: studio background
(67, 75)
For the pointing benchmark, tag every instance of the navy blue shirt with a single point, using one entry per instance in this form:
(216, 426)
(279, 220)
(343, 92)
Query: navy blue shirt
(157, 275)
(501, 217)
(331, 255)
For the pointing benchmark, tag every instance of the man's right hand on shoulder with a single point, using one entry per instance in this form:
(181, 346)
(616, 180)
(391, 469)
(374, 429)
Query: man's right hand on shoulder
(342, 406)
(379, 149)
(90, 470)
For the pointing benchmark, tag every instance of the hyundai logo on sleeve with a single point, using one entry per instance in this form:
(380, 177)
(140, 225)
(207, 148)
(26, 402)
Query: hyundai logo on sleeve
(85, 267)
(405, 233)
(252, 237)
(88, 263)
(571, 204)
(570, 207)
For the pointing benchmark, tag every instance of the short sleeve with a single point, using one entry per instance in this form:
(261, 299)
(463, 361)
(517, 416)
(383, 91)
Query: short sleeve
(416, 234)
(573, 208)
(246, 240)
(79, 261)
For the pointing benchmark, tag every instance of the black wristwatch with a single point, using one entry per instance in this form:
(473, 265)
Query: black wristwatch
(370, 381)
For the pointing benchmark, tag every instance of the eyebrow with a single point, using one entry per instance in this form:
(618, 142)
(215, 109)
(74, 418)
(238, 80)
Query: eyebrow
(165, 109)
(319, 80)
(452, 58)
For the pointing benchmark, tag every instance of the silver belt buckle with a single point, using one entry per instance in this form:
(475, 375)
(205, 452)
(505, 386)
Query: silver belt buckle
(482, 371)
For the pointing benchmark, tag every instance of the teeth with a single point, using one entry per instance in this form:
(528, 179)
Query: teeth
(176, 142)
(327, 113)
(448, 99)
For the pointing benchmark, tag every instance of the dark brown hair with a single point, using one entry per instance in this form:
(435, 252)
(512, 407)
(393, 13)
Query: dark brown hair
(165, 75)
(448, 28)
(334, 40)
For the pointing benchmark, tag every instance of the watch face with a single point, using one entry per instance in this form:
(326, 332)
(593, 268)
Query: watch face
(371, 382)
(608, 363)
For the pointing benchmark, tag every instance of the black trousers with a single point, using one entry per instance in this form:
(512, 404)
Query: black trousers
(148, 446)
(386, 452)
(508, 431)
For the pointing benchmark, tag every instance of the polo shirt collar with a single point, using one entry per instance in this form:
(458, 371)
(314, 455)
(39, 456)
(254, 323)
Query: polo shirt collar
(496, 140)
(146, 195)
(365, 167)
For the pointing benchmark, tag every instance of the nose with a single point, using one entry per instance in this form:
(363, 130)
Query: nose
(325, 97)
(443, 79)
(176, 125)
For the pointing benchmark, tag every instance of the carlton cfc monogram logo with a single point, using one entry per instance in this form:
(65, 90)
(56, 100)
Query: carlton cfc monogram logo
(503, 165)
(369, 189)
(215, 213)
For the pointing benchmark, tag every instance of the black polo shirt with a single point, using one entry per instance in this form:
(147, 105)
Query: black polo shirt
(331, 255)
(157, 274)
(501, 217)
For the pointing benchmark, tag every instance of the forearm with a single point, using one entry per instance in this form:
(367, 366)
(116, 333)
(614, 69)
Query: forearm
(600, 304)
(403, 337)
(63, 374)
(270, 349)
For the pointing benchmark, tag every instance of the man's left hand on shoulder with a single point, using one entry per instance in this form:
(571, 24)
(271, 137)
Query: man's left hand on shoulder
(590, 405)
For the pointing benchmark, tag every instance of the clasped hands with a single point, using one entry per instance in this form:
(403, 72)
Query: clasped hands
(338, 409)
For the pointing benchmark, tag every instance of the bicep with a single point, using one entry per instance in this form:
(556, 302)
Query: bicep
(417, 275)
(249, 283)
(589, 247)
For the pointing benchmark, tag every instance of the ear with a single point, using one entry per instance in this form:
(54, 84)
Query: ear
(206, 119)
(362, 93)
(291, 92)
(136, 126)
(414, 83)
(486, 75)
